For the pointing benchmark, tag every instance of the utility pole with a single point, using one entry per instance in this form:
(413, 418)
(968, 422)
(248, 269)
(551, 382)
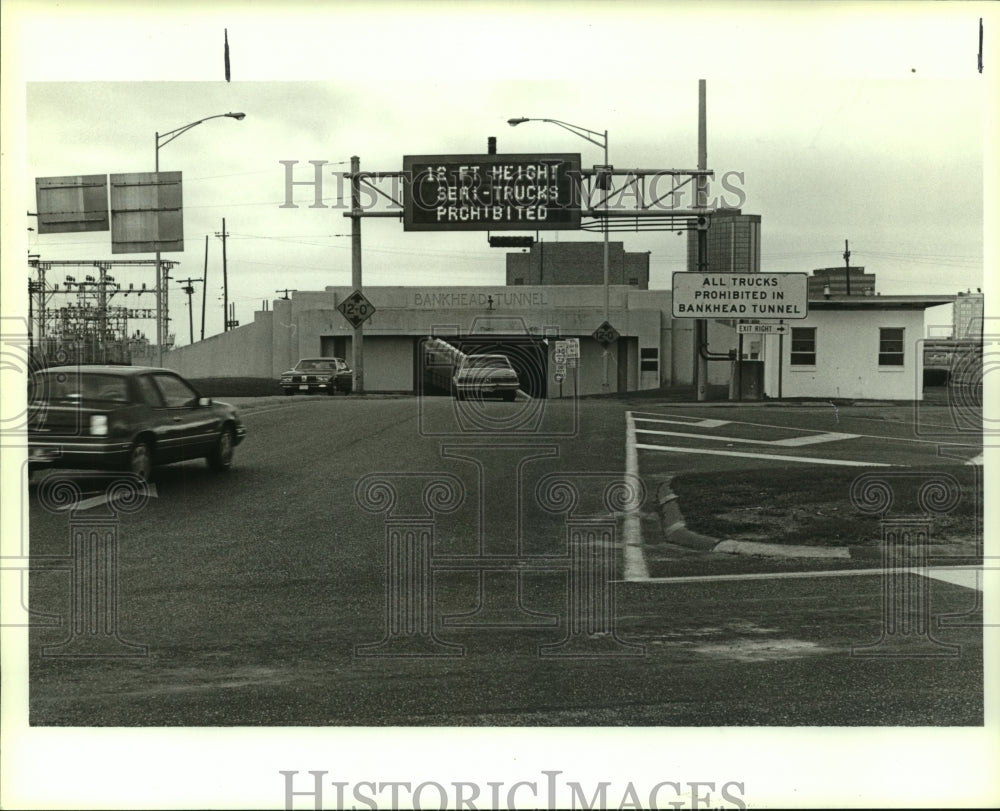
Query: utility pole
(189, 289)
(204, 289)
(225, 279)
(286, 291)
(357, 345)
(701, 325)
(847, 267)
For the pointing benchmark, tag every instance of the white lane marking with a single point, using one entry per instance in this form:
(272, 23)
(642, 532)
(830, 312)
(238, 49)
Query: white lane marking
(830, 436)
(689, 421)
(793, 442)
(939, 572)
(635, 561)
(771, 456)
(970, 578)
(97, 501)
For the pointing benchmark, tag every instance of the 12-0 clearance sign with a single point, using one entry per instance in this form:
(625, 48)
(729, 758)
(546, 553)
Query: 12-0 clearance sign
(491, 192)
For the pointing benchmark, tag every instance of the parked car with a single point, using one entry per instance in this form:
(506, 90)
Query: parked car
(328, 375)
(126, 418)
(483, 375)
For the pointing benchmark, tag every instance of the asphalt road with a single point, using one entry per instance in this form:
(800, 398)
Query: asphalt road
(466, 583)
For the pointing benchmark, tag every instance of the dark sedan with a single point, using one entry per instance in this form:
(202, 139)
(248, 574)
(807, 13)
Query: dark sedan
(325, 375)
(126, 418)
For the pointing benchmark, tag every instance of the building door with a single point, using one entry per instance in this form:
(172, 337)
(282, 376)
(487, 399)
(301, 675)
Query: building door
(335, 346)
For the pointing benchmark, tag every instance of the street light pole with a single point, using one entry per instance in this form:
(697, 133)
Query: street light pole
(162, 140)
(591, 136)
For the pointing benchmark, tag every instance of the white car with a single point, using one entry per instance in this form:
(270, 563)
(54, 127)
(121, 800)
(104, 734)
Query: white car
(485, 375)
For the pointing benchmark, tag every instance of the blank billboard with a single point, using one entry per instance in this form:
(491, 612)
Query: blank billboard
(146, 212)
(71, 204)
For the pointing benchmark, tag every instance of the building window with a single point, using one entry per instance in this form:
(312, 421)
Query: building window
(649, 360)
(803, 346)
(890, 346)
(633, 280)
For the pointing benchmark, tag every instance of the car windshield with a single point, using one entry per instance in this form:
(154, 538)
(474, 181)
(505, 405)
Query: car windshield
(316, 365)
(79, 386)
(486, 362)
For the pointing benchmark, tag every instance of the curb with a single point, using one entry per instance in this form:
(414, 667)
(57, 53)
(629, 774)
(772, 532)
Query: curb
(777, 550)
(675, 531)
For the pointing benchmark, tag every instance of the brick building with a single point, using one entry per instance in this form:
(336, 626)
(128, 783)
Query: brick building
(551, 263)
(733, 243)
(833, 282)
(967, 315)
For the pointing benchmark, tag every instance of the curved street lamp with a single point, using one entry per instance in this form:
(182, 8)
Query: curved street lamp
(162, 139)
(592, 136)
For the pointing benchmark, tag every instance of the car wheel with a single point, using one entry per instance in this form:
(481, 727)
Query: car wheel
(221, 457)
(140, 460)
(509, 396)
(332, 390)
(289, 392)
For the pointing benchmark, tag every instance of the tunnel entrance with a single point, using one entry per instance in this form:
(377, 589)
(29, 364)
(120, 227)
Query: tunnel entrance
(528, 355)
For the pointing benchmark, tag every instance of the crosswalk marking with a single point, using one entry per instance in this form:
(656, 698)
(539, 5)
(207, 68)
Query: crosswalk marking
(813, 439)
(777, 457)
(793, 442)
(691, 422)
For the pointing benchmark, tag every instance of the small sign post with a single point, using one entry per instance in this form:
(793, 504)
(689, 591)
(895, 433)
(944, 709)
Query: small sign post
(762, 329)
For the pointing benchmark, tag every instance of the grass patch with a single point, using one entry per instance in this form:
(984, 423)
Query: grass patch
(813, 506)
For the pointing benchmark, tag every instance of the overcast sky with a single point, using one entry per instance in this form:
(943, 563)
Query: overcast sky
(892, 163)
(859, 121)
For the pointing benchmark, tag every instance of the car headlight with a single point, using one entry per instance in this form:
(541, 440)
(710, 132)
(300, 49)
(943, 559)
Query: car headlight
(99, 425)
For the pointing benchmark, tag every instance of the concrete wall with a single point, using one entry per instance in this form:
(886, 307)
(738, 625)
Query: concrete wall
(245, 351)
(847, 344)
(721, 338)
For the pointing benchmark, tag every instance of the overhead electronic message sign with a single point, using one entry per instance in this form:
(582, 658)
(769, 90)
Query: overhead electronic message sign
(740, 295)
(491, 192)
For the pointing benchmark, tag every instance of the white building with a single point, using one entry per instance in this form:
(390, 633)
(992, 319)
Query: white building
(854, 347)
